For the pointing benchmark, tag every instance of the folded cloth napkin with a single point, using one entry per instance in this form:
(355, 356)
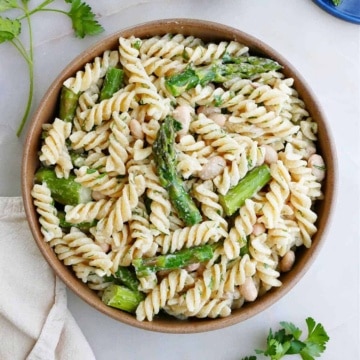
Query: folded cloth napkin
(35, 323)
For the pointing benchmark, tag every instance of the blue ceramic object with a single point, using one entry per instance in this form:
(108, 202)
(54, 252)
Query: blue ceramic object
(348, 10)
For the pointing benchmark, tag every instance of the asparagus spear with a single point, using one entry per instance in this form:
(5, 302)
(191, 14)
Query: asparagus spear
(77, 159)
(83, 226)
(114, 78)
(219, 71)
(165, 161)
(64, 191)
(249, 185)
(121, 297)
(127, 278)
(176, 260)
(68, 104)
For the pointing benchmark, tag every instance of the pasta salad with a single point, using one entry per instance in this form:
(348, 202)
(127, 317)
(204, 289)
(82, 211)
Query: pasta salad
(179, 176)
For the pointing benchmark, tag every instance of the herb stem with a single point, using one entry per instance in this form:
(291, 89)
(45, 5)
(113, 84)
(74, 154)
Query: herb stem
(30, 61)
(42, 10)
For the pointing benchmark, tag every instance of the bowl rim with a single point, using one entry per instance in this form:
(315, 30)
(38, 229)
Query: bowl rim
(161, 27)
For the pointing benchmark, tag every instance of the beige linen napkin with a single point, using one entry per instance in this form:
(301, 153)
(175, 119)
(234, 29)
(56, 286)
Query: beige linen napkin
(35, 323)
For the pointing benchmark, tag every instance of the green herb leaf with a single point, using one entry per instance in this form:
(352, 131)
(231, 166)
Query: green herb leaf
(286, 341)
(83, 19)
(8, 4)
(9, 29)
(316, 340)
(291, 329)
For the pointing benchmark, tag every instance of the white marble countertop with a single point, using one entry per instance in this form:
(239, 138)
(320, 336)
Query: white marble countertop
(326, 50)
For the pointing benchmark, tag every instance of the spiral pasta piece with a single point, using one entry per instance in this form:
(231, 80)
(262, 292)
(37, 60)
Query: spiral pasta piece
(96, 139)
(209, 200)
(122, 101)
(48, 219)
(277, 196)
(89, 211)
(251, 156)
(172, 284)
(237, 273)
(120, 243)
(300, 172)
(217, 138)
(266, 264)
(100, 182)
(243, 226)
(144, 87)
(123, 206)
(167, 46)
(280, 238)
(76, 244)
(141, 234)
(304, 215)
(54, 150)
(118, 144)
(195, 235)
(83, 80)
(160, 203)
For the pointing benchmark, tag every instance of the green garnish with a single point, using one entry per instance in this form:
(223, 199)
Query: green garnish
(286, 341)
(82, 19)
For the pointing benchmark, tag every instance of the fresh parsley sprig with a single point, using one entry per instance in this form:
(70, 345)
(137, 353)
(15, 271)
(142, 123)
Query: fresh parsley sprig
(286, 341)
(83, 23)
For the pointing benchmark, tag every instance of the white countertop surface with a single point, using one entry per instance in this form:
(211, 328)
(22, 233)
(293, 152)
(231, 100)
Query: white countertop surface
(326, 50)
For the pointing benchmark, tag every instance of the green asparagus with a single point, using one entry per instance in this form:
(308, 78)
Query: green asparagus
(176, 260)
(64, 191)
(77, 159)
(253, 181)
(121, 297)
(219, 71)
(114, 78)
(165, 161)
(83, 226)
(127, 278)
(68, 103)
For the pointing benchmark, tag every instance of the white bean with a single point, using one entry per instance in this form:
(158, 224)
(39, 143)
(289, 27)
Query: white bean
(271, 155)
(219, 119)
(207, 110)
(317, 165)
(192, 267)
(258, 229)
(310, 150)
(248, 290)
(183, 114)
(287, 262)
(135, 129)
(212, 168)
(96, 195)
(104, 246)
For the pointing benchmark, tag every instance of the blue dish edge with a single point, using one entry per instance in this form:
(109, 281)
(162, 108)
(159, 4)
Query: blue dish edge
(332, 9)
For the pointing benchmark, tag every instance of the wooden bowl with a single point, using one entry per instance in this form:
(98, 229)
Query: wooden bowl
(208, 31)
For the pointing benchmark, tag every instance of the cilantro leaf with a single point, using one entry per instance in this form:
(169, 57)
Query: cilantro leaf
(8, 4)
(249, 358)
(83, 19)
(9, 29)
